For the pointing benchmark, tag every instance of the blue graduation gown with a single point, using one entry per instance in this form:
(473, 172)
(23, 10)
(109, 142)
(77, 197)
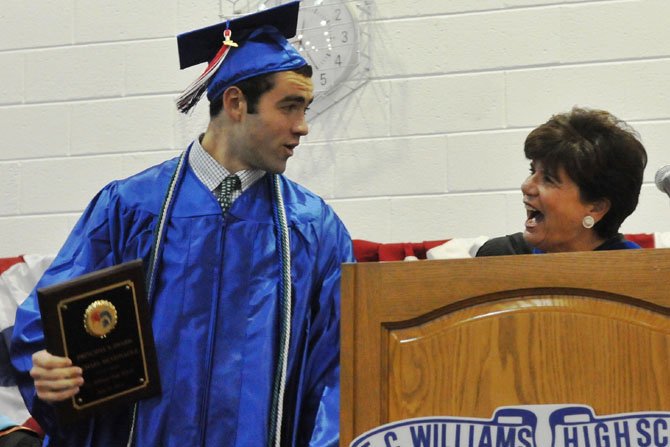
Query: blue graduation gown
(214, 313)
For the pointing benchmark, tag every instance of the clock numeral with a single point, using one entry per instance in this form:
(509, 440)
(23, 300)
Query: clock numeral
(329, 39)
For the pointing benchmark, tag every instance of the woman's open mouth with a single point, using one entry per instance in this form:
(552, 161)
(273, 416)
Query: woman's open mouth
(533, 216)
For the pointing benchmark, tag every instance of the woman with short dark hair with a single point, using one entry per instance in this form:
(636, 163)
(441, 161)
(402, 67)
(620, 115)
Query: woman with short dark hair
(585, 177)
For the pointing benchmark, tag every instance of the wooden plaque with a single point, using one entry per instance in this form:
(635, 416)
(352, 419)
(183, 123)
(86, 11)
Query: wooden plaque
(101, 322)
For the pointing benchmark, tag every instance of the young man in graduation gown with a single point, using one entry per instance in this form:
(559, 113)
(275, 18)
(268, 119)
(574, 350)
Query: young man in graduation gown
(243, 288)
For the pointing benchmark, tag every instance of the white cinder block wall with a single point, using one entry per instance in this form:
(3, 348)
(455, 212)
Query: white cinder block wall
(430, 148)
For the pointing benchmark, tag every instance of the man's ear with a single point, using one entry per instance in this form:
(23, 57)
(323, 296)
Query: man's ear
(599, 208)
(234, 103)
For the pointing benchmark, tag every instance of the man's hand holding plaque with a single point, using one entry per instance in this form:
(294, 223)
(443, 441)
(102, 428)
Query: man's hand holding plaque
(55, 377)
(99, 342)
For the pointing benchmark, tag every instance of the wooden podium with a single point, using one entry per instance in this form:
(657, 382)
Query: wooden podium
(464, 337)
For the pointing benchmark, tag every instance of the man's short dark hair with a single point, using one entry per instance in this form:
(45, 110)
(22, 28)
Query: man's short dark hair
(253, 89)
(600, 153)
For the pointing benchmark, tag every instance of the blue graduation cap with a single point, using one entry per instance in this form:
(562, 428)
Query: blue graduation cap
(239, 49)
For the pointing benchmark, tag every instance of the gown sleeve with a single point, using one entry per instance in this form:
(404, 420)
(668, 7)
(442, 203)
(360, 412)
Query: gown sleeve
(87, 248)
(323, 399)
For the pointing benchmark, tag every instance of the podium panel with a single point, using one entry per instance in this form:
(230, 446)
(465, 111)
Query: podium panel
(464, 337)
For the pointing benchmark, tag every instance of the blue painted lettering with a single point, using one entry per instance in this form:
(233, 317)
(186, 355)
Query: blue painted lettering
(526, 437)
(388, 437)
(485, 440)
(570, 438)
(602, 437)
(644, 440)
(622, 434)
(420, 435)
(436, 435)
(505, 440)
(660, 441)
(587, 438)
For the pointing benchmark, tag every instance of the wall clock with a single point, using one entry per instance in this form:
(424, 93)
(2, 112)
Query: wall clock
(334, 38)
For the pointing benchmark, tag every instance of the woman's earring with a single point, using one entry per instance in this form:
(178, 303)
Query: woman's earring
(588, 222)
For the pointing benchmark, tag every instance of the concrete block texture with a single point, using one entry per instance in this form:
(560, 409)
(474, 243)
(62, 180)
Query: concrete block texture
(123, 125)
(468, 42)
(35, 131)
(632, 90)
(124, 20)
(615, 30)
(392, 167)
(431, 147)
(74, 73)
(64, 184)
(443, 104)
(486, 161)
(41, 234)
(27, 25)
(9, 199)
(12, 77)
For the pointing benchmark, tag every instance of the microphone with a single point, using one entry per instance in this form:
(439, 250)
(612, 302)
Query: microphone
(663, 179)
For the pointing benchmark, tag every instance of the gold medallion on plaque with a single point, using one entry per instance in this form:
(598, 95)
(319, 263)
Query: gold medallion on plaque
(100, 318)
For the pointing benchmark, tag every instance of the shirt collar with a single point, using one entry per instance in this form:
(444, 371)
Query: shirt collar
(211, 173)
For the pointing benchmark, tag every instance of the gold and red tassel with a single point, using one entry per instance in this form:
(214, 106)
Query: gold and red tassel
(190, 97)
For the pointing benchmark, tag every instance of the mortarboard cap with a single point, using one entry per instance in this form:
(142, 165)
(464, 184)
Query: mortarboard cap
(239, 49)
